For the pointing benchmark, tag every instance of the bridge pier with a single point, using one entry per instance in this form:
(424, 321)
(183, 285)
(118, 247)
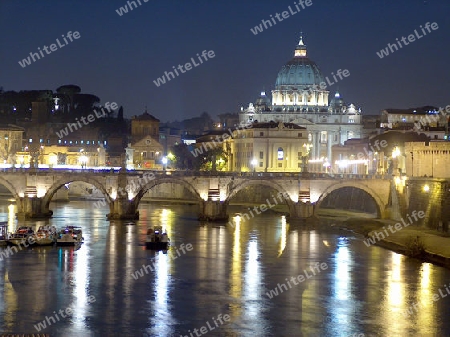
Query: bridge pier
(123, 209)
(33, 208)
(213, 211)
(303, 210)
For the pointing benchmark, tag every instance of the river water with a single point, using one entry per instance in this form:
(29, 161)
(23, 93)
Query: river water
(217, 285)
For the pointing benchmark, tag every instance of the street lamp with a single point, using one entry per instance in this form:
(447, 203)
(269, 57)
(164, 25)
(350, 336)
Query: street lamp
(164, 161)
(412, 164)
(254, 162)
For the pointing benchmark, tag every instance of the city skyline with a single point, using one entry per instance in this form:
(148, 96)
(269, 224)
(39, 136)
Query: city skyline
(118, 57)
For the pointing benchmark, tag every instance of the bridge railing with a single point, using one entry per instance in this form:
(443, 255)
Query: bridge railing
(176, 173)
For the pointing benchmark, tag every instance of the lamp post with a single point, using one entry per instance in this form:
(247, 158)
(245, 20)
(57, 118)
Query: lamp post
(412, 164)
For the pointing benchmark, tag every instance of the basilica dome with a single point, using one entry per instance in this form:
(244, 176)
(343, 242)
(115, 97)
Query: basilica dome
(300, 72)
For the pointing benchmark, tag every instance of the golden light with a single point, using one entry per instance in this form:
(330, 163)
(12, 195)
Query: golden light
(426, 188)
(395, 152)
(53, 159)
(41, 192)
(83, 159)
(113, 194)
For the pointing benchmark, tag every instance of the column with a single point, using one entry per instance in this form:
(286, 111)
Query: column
(329, 144)
(313, 152)
(317, 145)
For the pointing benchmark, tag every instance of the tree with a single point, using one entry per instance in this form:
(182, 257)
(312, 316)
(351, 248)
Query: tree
(69, 90)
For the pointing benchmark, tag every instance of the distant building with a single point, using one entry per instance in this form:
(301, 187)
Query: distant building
(144, 125)
(10, 142)
(169, 137)
(145, 142)
(268, 147)
(430, 159)
(428, 120)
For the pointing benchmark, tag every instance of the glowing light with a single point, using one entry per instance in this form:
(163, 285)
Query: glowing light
(113, 194)
(41, 192)
(426, 188)
(283, 235)
(395, 152)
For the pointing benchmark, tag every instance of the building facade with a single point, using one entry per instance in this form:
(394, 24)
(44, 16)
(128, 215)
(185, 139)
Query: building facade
(268, 147)
(428, 159)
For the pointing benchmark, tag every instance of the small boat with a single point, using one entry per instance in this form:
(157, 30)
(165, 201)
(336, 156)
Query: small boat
(21, 236)
(46, 235)
(4, 233)
(69, 236)
(156, 239)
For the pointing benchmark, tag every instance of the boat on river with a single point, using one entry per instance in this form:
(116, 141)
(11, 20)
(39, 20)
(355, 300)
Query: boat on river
(69, 236)
(46, 235)
(156, 239)
(21, 235)
(4, 233)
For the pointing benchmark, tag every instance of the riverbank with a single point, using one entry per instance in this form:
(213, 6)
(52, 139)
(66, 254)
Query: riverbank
(417, 242)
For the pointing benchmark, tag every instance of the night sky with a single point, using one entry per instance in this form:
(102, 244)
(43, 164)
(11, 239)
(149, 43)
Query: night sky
(117, 57)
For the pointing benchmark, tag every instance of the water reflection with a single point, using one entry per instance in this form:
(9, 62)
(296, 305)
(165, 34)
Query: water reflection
(236, 271)
(364, 290)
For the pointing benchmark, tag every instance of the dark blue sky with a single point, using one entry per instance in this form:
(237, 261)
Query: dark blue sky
(118, 57)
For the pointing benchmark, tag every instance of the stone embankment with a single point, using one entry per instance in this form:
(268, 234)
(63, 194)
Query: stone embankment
(415, 241)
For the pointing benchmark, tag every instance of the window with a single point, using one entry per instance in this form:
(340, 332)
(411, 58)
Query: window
(299, 135)
(261, 155)
(280, 154)
(261, 134)
(299, 156)
(323, 137)
(299, 165)
(260, 164)
(144, 154)
(280, 165)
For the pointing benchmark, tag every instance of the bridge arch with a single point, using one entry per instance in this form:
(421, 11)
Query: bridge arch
(163, 180)
(66, 180)
(271, 184)
(10, 188)
(378, 200)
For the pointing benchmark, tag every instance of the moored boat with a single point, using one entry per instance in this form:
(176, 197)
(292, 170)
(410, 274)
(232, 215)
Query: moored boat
(156, 239)
(46, 235)
(3, 233)
(21, 235)
(69, 236)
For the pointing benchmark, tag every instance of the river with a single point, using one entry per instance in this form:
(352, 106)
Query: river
(216, 280)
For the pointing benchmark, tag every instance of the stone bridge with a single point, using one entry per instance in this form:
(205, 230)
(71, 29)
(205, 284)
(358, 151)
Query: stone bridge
(34, 188)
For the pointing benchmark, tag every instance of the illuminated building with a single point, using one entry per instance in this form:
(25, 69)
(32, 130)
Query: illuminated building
(301, 96)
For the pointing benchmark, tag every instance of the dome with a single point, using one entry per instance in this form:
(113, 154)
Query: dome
(300, 71)
(262, 99)
(337, 100)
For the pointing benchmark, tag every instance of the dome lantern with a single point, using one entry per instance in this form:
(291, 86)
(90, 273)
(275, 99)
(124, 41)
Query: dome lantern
(300, 51)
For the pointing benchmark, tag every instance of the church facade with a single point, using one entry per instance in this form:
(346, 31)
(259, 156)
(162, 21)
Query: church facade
(301, 97)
